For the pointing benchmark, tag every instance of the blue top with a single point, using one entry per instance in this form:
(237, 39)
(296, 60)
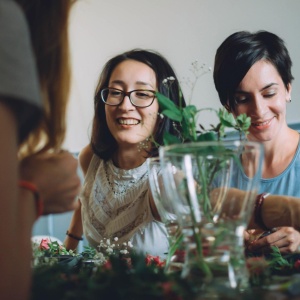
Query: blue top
(286, 183)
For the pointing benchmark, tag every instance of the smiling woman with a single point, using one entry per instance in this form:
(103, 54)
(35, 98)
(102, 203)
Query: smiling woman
(127, 128)
(129, 123)
(252, 75)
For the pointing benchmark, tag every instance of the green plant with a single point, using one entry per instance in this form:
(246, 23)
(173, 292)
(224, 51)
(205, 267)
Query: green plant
(192, 131)
(140, 277)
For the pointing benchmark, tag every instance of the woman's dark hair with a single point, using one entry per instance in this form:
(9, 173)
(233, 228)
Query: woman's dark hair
(102, 141)
(239, 52)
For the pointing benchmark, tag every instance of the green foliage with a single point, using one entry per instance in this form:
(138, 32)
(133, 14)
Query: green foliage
(138, 277)
(187, 117)
(191, 131)
(89, 252)
(121, 279)
(278, 262)
(168, 108)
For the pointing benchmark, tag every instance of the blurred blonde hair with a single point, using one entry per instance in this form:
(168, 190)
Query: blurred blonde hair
(48, 24)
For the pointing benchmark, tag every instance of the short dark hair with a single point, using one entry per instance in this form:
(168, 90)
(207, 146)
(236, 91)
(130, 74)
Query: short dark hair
(239, 52)
(102, 141)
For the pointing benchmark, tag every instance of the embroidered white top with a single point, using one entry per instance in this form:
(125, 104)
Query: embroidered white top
(115, 203)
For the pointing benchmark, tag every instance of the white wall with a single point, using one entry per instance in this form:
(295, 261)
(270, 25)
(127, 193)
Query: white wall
(183, 31)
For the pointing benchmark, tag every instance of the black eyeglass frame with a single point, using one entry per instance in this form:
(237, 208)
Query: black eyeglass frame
(127, 94)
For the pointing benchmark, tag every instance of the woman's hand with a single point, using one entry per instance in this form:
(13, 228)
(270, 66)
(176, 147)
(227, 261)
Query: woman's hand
(55, 175)
(287, 239)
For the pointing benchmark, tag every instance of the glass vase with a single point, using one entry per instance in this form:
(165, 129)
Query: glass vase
(166, 213)
(213, 186)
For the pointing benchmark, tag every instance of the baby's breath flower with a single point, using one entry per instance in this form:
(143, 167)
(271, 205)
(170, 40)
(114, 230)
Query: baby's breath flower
(109, 250)
(167, 82)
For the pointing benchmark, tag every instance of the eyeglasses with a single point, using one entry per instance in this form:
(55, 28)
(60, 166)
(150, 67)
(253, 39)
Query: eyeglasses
(138, 98)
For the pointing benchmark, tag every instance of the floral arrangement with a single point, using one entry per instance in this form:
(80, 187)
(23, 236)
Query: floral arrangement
(48, 252)
(109, 272)
(131, 276)
(191, 131)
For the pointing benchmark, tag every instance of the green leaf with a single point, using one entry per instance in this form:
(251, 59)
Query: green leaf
(174, 115)
(226, 118)
(189, 111)
(169, 108)
(207, 136)
(243, 122)
(170, 139)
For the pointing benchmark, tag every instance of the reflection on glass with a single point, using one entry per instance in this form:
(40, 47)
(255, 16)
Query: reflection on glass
(165, 211)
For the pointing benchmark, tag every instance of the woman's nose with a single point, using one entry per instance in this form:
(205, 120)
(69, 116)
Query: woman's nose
(258, 106)
(126, 103)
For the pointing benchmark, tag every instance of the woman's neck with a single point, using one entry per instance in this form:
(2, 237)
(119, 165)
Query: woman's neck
(279, 154)
(129, 159)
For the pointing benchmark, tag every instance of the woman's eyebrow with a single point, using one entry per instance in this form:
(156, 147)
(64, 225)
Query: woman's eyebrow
(268, 86)
(144, 83)
(117, 81)
(264, 88)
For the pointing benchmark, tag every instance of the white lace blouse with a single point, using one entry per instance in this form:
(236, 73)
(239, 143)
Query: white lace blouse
(115, 203)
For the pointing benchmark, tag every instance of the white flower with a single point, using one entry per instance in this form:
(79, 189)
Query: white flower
(130, 244)
(116, 239)
(99, 259)
(109, 250)
(125, 251)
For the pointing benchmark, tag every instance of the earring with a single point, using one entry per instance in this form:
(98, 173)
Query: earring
(289, 101)
(160, 115)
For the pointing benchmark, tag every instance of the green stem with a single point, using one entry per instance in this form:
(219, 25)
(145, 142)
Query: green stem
(204, 191)
(196, 235)
(175, 243)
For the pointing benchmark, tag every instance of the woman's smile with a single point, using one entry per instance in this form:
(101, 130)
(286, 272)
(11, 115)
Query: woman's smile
(128, 121)
(262, 125)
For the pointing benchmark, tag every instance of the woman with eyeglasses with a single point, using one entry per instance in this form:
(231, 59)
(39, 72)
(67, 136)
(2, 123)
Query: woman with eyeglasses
(115, 201)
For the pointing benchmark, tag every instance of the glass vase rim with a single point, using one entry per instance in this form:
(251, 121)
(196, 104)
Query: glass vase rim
(213, 143)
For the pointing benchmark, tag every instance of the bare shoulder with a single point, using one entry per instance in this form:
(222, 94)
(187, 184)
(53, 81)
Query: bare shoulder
(85, 157)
